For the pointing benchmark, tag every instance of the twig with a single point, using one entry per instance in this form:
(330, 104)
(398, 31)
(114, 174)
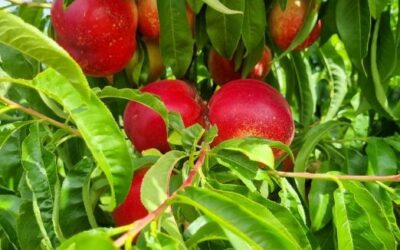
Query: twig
(41, 116)
(138, 225)
(363, 178)
(30, 3)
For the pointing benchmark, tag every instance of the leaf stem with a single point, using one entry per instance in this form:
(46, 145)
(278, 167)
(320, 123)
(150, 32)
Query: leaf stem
(363, 178)
(137, 226)
(41, 116)
(30, 3)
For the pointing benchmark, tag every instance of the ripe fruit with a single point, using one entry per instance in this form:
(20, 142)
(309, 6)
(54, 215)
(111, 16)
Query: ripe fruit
(99, 35)
(222, 70)
(243, 108)
(285, 24)
(146, 129)
(149, 23)
(132, 208)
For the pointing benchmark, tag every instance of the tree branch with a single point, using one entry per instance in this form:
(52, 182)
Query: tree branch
(41, 116)
(138, 225)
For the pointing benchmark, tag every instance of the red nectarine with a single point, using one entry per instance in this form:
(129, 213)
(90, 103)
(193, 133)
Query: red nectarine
(132, 208)
(146, 129)
(285, 24)
(99, 35)
(222, 70)
(243, 108)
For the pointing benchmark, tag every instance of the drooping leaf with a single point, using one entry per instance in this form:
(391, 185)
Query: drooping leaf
(203, 229)
(382, 159)
(225, 30)
(254, 23)
(377, 6)
(303, 89)
(29, 40)
(311, 139)
(379, 90)
(88, 240)
(9, 208)
(74, 218)
(248, 220)
(220, 7)
(28, 230)
(42, 180)
(146, 99)
(7, 130)
(176, 40)
(97, 127)
(336, 76)
(291, 200)
(321, 201)
(155, 186)
(353, 227)
(354, 22)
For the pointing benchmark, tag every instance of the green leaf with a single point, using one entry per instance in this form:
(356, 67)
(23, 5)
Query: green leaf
(385, 46)
(88, 240)
(176, 40)
(155, 186)
(320, 201)
(248, 220)
(291, 200)
(354, 23)
(225, 30)
(7, 130)
(30, 41)
(352, 224)
(192, 137)
(303, 89)
(377, 219)
(382, 159)
(42, 179)
(377, 6)
(256, 149)
(151, 101)
(220, 7)
(16, 64)
(28, 231)
(74, 218)
(254, 24)
(378, 87)
(311, 140)
(203, 229)
(97, 127)
(9, 207)
(336, 76)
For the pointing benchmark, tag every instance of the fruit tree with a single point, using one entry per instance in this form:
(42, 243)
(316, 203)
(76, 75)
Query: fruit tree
(199, 124)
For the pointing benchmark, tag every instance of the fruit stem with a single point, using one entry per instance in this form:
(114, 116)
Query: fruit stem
(30, 3)
(41, 116)
(363, 178)
(137, 226)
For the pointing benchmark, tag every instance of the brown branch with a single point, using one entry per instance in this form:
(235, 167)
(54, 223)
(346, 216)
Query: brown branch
(41, 116)
(363, 178)
(138, 225)
(30, 3)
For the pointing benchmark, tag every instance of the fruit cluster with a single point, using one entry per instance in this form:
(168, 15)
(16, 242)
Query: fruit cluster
(101, 37)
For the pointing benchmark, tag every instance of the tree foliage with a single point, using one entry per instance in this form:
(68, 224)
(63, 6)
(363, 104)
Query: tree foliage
(65, 163)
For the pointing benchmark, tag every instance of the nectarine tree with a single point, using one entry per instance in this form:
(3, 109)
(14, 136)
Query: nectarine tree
(105, 143)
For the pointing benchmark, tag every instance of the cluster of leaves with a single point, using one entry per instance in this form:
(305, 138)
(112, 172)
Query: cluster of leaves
(65, 163)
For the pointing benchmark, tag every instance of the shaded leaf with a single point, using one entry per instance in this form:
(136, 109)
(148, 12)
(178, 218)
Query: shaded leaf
(225, 30)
